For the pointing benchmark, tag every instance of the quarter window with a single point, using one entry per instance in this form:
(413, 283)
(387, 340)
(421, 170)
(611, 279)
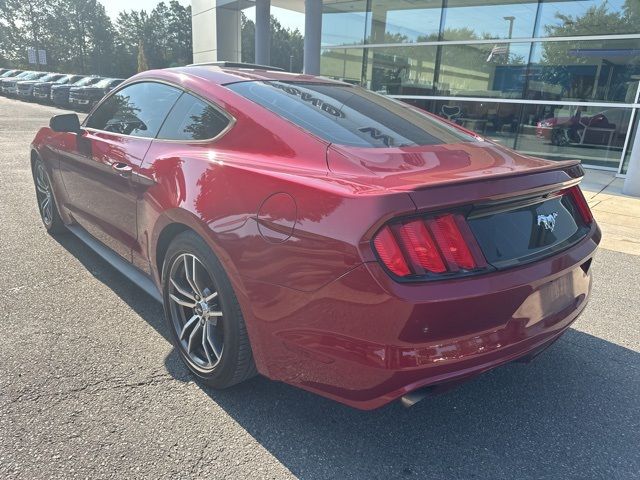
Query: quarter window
(138, 109)
(193, 119)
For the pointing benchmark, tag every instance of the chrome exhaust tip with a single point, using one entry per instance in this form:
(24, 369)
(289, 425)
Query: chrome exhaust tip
(411, 398)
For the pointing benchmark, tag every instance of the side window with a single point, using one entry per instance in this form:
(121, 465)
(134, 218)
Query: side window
(193, 119)
(138, 109)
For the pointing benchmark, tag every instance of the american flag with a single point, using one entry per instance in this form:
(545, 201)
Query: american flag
(497, 50)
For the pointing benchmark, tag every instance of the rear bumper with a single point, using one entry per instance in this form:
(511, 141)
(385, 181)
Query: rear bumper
(366, 340)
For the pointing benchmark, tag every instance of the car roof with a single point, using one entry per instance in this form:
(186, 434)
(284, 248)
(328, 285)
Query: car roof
(224, 75)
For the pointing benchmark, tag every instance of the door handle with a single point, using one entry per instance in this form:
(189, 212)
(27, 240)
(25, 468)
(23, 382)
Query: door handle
(122, 169)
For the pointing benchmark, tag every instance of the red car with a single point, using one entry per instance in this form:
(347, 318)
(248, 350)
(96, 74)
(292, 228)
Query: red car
(318, 233)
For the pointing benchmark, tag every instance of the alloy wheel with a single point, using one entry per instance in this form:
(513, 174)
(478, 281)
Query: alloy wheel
(45, 197)
(196, 311)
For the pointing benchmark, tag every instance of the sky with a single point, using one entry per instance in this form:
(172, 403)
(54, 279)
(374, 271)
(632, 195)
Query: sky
(287, 19)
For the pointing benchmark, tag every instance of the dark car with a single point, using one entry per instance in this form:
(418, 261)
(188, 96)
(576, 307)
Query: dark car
(60, 93)
(319, 233)
(86, 97)
(42, 89)
(10, 73)
(11, 79)
(24, 88)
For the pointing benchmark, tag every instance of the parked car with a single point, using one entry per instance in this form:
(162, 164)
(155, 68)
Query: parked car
(12, 78)
(86, 97)
(602, 128)
(42, 89)
(3, 71)
(24, 88)
(60, 93)
(318, 233)
(10, 73)
(10, 85)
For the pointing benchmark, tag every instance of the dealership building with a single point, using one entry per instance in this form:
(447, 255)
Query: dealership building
(557, 79)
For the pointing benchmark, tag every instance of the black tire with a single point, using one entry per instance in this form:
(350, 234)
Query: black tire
(44, 190)
(235, 362)
(560, 137)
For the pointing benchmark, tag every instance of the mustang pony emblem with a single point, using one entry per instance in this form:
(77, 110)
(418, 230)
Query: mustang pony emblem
(548, 221)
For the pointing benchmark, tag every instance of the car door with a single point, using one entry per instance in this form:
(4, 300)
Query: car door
(99, 171)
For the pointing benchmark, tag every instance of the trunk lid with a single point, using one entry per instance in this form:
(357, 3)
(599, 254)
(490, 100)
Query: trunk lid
(519, 209)
(420, 167)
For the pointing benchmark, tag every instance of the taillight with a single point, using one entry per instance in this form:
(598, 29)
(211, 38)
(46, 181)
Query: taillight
(581, 203)
(421, 248)
(390, 253)
(437, 245)
(452, 245)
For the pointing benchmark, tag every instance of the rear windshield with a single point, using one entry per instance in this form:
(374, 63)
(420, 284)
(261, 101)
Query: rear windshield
(86, 81)
(33, 76)
(51, 77)
(104, 83)
(348, 115)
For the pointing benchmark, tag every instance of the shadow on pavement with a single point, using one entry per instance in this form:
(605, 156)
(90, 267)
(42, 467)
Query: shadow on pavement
(571, 413)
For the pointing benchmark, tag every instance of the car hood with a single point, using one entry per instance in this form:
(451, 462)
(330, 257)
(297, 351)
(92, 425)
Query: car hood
(414, 168)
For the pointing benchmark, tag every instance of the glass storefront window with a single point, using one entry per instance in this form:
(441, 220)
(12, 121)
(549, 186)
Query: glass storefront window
(343, 64)
(405, 21)
(627, 155)
(484, 70)
(592, 134)
(472, 59)
(345, 23)
(605, 70)
(401, 70)
(496, 121)
(588, 17)
(469, 20)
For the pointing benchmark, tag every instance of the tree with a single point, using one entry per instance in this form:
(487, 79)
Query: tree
(164, 34)
(143, 65)
(26, 23)
(285, 43)
(558, 60)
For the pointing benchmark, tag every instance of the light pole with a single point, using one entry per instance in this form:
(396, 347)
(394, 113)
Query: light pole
(509, 19)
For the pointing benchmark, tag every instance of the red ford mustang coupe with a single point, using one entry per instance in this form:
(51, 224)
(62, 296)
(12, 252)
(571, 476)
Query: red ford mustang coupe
(318, 233)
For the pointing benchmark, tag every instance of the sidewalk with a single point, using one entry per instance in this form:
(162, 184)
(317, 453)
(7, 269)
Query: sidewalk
(617, 214)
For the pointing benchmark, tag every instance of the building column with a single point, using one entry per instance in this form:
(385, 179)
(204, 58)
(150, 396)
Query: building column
(312, 36)
(263, 32)
(216, 31)
(632, 182)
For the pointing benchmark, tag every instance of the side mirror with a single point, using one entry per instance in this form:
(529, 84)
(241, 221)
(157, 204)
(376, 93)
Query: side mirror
(68, 122)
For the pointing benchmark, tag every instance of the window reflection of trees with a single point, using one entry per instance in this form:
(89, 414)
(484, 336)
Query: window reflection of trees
(118, 115)
(207, 124)
(123, 116)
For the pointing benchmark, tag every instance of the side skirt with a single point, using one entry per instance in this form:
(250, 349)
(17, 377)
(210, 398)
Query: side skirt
(116, 261)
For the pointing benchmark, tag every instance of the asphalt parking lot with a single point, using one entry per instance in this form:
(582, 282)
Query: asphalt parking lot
(90, 386)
